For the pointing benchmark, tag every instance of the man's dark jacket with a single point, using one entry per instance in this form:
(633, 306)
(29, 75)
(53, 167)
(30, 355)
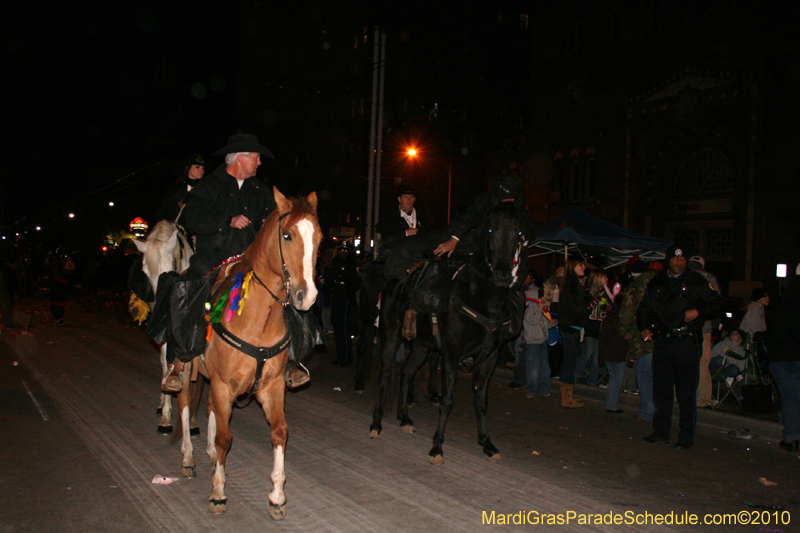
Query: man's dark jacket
(783, 334)
(392, 228)
(667, 299)
(209, 209)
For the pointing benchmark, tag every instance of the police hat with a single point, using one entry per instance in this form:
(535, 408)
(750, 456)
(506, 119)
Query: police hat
(675, 251)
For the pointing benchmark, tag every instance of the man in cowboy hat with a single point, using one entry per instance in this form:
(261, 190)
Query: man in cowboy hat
(226, 209)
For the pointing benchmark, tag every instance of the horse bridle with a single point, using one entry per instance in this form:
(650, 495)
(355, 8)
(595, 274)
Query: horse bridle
(286, 277)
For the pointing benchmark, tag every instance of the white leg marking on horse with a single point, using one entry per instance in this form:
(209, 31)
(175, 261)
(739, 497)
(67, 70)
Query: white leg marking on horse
(278, 477)
(186, 444)
(211, 447)
(219, 483)
(166, 399)
(306, 229)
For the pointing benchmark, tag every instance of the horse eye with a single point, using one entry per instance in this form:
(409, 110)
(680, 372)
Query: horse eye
(490, 230)
(287, 236)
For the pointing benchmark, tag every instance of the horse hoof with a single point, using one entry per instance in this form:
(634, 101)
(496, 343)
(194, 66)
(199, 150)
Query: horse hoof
(436, 460)
(189, 472)
(194, 432)
(165, 430)
(218, 506)
(276, 512)
(493, 458)
(158, 411)
(408, 429)
(374, 434)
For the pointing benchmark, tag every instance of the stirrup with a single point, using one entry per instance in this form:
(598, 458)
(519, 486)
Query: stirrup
(302, 376)
(173, 381)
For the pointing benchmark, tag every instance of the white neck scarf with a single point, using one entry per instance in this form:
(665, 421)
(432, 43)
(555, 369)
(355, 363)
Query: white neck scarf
(410, 219)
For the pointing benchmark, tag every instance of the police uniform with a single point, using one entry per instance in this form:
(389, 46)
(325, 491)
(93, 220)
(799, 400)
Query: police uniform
(676, 352)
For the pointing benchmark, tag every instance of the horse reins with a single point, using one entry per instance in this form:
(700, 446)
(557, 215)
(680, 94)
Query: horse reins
(286, 277)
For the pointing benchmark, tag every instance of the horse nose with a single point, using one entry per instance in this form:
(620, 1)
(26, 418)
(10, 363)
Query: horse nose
(502, 279)
(300, 296)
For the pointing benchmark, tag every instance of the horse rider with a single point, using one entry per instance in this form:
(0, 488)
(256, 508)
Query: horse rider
(224, 212)
(505, 188)
(174, 199)
(227, 208)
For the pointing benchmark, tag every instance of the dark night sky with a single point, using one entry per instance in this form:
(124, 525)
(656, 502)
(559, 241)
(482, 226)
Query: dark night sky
(102, 92)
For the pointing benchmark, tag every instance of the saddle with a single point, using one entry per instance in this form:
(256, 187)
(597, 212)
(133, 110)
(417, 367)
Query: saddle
(427, 287)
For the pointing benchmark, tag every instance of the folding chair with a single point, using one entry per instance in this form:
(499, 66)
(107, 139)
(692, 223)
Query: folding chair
(721, 380)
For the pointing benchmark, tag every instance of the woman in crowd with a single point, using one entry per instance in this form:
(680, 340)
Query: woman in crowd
(573, 303)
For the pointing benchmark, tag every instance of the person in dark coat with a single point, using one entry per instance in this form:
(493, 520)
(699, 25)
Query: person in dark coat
(783, 345)
(400, 224)
(342, 283)
(506, 188)
(174, 199)
(225, 211)
(573, 311)
(228, 207)
(675, 305)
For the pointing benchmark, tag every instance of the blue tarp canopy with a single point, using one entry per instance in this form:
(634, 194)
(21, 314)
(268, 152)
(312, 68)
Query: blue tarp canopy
(576, 231)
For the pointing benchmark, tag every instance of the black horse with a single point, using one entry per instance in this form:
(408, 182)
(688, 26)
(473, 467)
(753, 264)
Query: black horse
(479, 309)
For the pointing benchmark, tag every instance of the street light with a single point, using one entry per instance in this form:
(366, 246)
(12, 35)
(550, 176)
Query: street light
(412, 152)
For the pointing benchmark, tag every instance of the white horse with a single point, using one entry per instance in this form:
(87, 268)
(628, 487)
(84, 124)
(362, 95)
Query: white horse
(165, 250)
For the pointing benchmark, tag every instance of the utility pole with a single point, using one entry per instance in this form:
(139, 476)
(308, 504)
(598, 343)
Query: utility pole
(372, 141)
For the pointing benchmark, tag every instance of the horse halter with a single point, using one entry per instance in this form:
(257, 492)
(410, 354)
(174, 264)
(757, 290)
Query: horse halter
(286, 277)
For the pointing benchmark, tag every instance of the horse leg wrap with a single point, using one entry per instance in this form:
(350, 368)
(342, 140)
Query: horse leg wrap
(410, 325)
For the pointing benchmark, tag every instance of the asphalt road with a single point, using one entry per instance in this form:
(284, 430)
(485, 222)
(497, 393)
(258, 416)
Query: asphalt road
(80, 450)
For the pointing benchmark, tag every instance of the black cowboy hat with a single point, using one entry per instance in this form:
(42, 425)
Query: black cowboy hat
(406, 189)
(244, 142)
(194, 159)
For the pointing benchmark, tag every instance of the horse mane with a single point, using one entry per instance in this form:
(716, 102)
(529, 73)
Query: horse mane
(156, 242)
(258, 252)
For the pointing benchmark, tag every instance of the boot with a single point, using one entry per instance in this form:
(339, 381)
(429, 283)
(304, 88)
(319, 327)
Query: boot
(173, 381)
(410, 325)
(297, 377)
(565, 393)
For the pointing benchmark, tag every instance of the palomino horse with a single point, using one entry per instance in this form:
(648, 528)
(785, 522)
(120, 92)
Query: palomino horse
(481, 311)
(165, 250)
(275, 271)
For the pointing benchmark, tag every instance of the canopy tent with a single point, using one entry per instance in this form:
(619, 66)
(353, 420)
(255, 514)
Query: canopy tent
(577, 231)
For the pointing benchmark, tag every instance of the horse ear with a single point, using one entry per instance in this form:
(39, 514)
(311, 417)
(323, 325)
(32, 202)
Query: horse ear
(141, 245)
(280, 200)
(312, 201)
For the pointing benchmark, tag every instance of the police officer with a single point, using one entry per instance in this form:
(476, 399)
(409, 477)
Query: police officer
(675, 306)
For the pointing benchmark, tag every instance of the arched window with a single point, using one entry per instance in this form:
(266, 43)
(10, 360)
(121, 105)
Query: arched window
(705, 171)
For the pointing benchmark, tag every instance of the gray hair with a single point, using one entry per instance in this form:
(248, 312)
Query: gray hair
(231, 158)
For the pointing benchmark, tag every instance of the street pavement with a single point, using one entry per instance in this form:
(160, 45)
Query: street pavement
(77, 411)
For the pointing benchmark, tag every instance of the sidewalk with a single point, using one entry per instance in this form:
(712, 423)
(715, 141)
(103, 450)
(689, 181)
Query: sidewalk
(728, 417)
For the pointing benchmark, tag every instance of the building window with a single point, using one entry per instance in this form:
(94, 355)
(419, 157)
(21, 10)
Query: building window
(523, 21)
(558, 177)
(589, 177)
(705, 171)
(718, 242)
(688, 237)
(574, 173)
